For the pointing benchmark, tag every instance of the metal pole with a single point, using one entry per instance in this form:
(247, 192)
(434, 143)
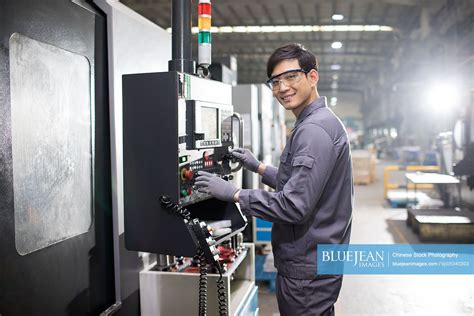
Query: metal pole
(181, 53)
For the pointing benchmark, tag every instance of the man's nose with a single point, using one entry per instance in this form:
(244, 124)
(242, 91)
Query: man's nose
(283, 86)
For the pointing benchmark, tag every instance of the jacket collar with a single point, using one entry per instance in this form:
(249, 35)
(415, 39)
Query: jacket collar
(316, 104)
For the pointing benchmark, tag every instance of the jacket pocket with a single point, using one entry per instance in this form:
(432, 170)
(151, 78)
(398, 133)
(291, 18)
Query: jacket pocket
(284, 168)
(304, 161)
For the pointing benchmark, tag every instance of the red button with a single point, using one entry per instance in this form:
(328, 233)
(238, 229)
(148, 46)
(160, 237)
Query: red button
(188, 174)
(206, 155)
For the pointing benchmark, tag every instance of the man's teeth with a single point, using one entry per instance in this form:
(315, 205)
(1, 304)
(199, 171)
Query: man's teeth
(287, 97)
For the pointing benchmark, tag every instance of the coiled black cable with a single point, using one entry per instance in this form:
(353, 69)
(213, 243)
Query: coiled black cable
(201, 259)
(202, 283)
(178, 209)
(221, 295)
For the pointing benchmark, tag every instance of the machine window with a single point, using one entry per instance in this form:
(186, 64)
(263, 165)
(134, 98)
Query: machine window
(51, 143)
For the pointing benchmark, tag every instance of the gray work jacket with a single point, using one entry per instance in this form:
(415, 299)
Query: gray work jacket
(312, 203)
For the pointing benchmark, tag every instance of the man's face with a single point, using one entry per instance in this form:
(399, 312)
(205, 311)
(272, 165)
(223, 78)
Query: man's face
(297, 94)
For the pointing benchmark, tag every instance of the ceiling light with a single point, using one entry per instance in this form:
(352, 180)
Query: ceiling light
(225, 29)
(335, 67)
(295, 28)
(371, 28)
(337, 17)
(336, 45)
(282, 28)
(335, 77)
(239, 29)
(342, 28)
(254, 29)
(333, 101)
(301, 28)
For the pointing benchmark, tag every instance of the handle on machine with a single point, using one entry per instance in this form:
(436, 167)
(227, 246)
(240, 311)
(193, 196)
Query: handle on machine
(241, 138)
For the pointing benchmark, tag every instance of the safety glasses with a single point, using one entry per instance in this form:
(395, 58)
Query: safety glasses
(289, 78)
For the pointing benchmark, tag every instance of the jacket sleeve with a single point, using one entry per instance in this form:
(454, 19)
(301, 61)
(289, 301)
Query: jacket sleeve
(269, 177)
(313, 159)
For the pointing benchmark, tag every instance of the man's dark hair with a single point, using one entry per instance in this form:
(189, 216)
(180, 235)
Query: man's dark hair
(306, 59)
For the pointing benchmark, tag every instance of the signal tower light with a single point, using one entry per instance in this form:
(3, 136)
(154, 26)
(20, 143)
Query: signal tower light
(204, 35)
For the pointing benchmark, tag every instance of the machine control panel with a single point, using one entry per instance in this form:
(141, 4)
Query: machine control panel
(209, 136)
(169, 136)
(218, 162)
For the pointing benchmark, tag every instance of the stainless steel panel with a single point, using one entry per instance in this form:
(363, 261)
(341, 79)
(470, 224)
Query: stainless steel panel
(266, 111)
(51, 143)
(245, 101)
(208, 90)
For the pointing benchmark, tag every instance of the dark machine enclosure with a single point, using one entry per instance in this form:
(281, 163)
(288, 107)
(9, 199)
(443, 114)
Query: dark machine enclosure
(151, 167)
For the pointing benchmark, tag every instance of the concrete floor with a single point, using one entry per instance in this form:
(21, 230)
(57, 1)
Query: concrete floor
(374, 222)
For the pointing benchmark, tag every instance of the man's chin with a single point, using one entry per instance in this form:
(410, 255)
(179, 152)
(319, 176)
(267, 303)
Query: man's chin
(287, 106)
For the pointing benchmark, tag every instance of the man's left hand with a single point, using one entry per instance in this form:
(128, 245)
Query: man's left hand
(215, 186)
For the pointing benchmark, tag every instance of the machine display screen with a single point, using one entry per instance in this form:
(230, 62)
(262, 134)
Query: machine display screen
(209, 122)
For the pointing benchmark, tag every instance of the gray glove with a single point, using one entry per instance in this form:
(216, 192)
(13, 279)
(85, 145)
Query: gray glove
(215, 186)
(247, 158)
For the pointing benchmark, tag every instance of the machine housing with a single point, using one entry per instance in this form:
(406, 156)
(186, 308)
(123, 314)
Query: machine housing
(168, 137)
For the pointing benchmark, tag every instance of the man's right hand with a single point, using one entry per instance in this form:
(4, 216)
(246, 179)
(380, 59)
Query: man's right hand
(247, 158)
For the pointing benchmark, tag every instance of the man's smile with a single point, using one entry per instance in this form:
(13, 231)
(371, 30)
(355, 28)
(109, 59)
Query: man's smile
(287, 98)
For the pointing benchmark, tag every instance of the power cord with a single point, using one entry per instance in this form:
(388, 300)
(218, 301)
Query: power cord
(202, 283)
(221, 295)
(178, 210)
(196, 228)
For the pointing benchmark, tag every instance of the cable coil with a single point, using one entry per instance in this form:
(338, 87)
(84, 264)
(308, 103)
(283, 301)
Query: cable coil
(202, 283)
(201, 259)
(178, 209)
(221, 297)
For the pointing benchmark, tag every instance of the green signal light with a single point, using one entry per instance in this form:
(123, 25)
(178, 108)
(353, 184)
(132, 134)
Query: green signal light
(204, 37)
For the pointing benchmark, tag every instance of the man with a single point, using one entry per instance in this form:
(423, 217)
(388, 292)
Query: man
(312, 202)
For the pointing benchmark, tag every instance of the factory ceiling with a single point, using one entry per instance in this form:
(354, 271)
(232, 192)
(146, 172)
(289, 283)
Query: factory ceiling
(380, 38)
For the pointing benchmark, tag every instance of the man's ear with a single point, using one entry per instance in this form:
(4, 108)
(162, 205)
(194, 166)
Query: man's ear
(313, 77)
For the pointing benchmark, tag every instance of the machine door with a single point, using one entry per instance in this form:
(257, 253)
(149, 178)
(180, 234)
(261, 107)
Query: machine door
(55, 192)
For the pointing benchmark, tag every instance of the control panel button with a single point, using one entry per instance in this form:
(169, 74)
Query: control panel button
(188, 174)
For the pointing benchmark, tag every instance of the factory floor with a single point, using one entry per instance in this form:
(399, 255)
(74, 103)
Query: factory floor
(374, 222)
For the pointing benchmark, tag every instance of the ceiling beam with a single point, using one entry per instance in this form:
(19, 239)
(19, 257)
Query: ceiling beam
(267, 13)
(283, 12)
(235, 14)
(251, 14)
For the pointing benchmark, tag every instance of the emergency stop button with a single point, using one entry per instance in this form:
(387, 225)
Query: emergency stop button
(188, 174)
